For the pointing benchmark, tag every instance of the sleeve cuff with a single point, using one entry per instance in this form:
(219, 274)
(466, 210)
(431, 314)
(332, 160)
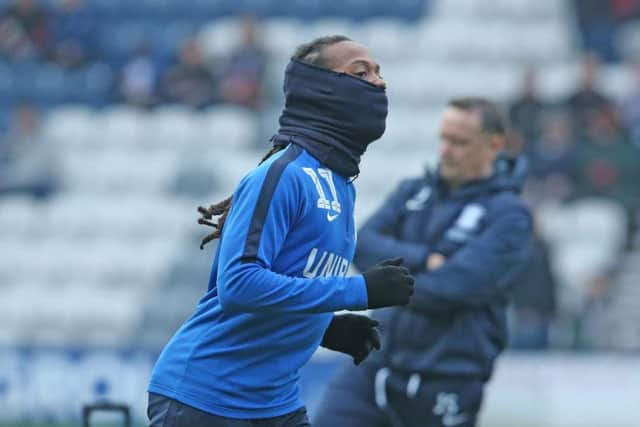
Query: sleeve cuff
(356, 297)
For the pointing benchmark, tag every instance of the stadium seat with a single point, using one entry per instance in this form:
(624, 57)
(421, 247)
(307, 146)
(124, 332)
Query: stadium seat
(389, 39)
(49, 82)
(120, 126)
(18, 215)
(618, 81)
(586, 237)
(228, 127)
(324, 26)
(557, 81)
(281, 36)
(70, 127)
(6, 79)
(120, 172)
(96, 84)
(219, 37)
(172, 126)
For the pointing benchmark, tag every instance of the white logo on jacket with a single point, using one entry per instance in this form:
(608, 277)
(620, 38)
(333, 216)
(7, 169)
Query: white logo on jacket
(326, 265)
(332, 206)
(467, 223)
(417, 202)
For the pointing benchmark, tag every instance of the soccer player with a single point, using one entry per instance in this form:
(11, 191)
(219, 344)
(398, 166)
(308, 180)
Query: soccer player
(463, 232)
(287, 239)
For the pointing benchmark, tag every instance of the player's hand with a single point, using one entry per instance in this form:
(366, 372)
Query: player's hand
(352, 334)
(388, 283)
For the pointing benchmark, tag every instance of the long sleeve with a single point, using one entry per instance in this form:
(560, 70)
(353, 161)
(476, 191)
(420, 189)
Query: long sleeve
(265, 209)
(376, 241)
(483, 268)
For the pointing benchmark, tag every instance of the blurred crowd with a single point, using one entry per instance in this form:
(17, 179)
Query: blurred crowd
(582, 148)
(64, 33)
(602, 24)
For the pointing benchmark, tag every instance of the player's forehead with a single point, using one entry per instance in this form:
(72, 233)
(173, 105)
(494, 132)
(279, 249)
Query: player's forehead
(347, 53)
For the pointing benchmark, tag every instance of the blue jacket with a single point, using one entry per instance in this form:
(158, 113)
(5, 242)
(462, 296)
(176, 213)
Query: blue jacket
(278, 275)
(455, 324)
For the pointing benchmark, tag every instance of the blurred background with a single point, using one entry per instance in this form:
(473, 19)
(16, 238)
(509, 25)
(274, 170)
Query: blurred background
(119, 117)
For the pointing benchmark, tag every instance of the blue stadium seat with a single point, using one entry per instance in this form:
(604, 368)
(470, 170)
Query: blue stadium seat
(110, 8)
(411, 10)
(260, 8)
(119, 40)
(5, 117)
(351, 9)
(203, 10)
(6, 80)
(24, 74)
(49, 84)
(97, 84)
(301, 9)
(172, 35)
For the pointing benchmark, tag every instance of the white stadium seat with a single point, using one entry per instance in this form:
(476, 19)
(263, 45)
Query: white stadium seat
(228, 127)
(70, 127)
(218, 38)
(119, 126)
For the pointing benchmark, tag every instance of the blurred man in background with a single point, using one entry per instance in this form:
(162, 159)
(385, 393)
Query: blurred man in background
(138, 78)
(242, 77)
(526, 111)
(607, 163)
(534, 299)
(74, 34)
(551, 159)
(464, 233)
(190, 81)
(25, 31)
(588, 97)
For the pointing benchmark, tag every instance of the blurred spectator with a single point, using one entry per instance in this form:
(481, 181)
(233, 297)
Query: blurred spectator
(24, 31)
(551, 159)
(243, 74)
(74, 28)
(27, 164)
(534, 299)
(625, 10)
(190, 82)
(607, 165)
(630, 107)
(588, 97)
(525, 112)
(138, 78)
(597, 26)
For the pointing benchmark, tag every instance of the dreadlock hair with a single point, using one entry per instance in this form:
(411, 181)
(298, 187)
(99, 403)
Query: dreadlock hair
(310, 53)
(221, 209)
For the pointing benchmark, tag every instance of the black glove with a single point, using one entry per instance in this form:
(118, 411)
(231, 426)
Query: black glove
(388, 283)
(352, 334)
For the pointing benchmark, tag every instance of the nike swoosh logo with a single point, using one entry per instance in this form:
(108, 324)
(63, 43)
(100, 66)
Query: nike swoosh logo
(454, 420)
(331, 217)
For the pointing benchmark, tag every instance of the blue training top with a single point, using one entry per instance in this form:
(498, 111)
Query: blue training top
(278, 274)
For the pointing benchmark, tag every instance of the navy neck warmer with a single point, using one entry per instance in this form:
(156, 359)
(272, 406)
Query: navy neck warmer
(334, 116)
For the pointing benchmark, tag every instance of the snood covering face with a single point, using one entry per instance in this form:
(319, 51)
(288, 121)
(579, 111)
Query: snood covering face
(332, 115)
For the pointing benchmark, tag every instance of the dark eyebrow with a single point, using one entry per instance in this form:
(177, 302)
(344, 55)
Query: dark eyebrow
(367, 64)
